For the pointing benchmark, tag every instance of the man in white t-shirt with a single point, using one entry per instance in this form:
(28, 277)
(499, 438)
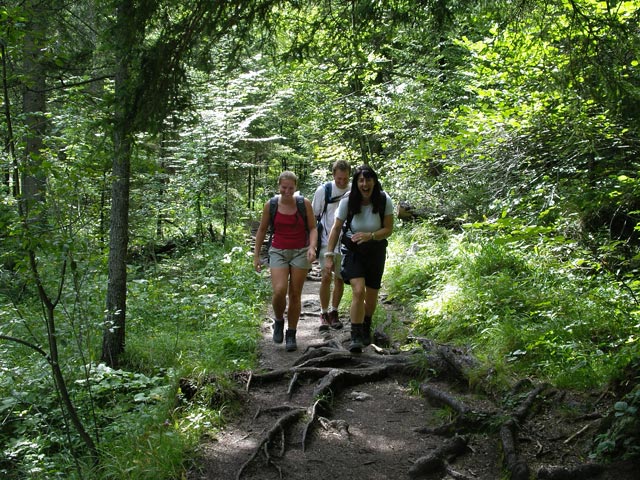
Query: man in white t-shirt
(325, 202)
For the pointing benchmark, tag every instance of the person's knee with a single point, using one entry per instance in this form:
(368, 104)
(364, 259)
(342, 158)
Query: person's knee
(357, 292)
(295, 299)
(279, 292)
(326, 277)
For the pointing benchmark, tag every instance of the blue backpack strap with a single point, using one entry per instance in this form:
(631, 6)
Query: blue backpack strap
(327, 200)
(327, 195)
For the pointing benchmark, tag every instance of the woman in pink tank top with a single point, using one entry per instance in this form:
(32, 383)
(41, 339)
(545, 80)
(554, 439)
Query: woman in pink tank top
(292, 251)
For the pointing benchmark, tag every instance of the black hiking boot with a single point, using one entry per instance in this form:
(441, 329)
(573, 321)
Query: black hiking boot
(334, 320)
(366, 331)
(290, 343)
(356, 338)
(278, 330)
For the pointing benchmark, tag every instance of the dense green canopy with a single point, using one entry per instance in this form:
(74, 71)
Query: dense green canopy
(135, 128)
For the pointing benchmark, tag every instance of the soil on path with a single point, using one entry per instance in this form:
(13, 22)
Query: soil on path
(379, 429)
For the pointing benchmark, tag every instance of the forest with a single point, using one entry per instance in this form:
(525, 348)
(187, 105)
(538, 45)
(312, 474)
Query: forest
(141, 139)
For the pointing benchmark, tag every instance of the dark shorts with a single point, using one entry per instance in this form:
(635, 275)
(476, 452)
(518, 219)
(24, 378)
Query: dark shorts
(367, 266)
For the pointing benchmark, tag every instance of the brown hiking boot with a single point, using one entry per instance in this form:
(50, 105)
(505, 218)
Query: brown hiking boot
(334, 320)
(324, 322)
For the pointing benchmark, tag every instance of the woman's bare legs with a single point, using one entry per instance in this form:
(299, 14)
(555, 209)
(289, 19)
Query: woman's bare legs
(279, 286)
(370, 301)
(357, 300)
(364, 300)
(298, 277)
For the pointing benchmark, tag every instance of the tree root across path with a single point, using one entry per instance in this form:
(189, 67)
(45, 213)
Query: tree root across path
(416, 410)
(334, 369)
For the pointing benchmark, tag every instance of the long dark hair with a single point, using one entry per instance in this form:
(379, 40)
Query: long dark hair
(355, 197)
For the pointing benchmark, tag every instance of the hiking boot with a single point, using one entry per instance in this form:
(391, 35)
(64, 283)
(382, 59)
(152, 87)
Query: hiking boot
(366, 331)
(290, 343)
(324, 322)
(356, 338)
(278, 331)
(334, 320)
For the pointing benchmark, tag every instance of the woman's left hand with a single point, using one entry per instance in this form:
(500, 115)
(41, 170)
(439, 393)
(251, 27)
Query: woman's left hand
(361, 237)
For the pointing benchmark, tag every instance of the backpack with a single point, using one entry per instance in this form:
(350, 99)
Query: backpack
(327, 200)
(273, 208)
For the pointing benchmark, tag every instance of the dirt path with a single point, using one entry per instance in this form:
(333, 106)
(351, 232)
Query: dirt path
(378, 429)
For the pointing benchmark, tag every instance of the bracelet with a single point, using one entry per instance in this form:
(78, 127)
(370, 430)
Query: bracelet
(373, 235)
(329, 254)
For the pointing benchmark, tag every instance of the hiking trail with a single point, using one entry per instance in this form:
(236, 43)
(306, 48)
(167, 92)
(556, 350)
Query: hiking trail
(394, 412)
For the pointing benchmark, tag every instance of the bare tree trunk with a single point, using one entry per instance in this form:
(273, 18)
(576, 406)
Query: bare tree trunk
(226, 202)
(113, 340)
(54, 359)
(9, 143)
(34, 106)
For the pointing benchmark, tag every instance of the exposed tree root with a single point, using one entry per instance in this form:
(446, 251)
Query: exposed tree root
(514, 463)
(318, 406)
(580, 472)
(334, 369)
(468, 420)
(448, 361)
(337, 379)
(278, 429)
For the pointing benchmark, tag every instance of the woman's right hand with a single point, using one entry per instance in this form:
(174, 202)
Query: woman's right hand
(328, 263)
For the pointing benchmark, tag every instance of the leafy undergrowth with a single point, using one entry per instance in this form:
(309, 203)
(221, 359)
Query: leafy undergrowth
(193, 317)
(537, 310)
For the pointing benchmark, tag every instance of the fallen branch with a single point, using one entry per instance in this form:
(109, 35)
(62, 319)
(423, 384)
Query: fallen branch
(438, 398)
(453, 474)
(436, 460)
(579, 432)
(521, 412)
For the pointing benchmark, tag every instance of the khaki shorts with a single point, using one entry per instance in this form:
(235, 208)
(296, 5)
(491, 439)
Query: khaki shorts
(337, 261)
(285, 258)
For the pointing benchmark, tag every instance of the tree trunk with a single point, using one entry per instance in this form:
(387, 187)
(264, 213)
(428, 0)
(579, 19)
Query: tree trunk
(226, 203)
(54, 359)
(34, 106)
(113, 340)
(9, 143)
